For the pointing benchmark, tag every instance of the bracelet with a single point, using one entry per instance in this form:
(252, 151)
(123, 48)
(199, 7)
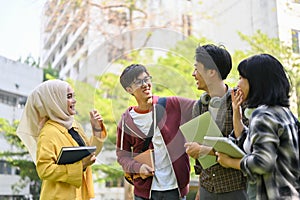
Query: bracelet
(97, 129)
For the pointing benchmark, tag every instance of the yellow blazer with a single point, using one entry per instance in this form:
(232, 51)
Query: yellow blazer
(63, 181)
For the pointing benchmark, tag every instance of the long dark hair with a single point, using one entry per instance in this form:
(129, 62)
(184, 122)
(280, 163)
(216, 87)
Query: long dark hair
(268, 82)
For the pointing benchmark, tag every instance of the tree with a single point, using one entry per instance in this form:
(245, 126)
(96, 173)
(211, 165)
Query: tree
(19, 158)
(50, 73)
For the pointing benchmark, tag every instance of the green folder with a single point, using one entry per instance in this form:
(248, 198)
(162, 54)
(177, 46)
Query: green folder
(195, 130)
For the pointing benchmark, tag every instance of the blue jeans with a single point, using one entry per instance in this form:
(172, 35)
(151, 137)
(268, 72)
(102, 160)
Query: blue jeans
(163, 195)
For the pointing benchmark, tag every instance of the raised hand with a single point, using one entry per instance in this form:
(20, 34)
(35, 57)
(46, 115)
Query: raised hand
(97, 124)
(237, 100)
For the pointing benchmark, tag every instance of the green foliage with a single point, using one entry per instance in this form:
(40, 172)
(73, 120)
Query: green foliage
(50, 73)
(261, 43)
(9, 131)
(27, 169)
(84, 94)
(233, 76)
(20, 157)
(112, 171)
(177, 67)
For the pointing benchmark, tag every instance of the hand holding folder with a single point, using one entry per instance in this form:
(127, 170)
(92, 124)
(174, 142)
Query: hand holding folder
(195, 130)
(146, 157)
(224, 145)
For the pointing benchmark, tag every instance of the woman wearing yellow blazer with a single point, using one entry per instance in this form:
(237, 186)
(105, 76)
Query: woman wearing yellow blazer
(47, 124)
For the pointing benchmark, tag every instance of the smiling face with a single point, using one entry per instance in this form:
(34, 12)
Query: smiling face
(200, 74)
(141, 87)
(71, 101)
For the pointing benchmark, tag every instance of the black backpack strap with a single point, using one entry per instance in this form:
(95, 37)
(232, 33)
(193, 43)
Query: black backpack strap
(160, 110)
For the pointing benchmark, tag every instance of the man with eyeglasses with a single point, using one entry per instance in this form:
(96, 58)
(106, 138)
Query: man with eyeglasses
(169, 179)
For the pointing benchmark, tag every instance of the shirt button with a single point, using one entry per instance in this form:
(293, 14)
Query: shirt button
(214, 175)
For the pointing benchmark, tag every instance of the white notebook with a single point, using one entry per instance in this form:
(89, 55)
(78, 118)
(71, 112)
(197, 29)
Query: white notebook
(224, 145)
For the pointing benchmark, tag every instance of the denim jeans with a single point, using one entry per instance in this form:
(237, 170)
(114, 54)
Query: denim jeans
(163, 195)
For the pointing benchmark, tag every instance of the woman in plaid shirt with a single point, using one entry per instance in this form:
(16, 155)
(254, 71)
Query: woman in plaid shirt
(272, 142)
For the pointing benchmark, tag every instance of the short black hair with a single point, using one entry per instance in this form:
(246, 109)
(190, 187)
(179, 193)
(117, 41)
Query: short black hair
(215, 57)
(130, 73)
(268, 82)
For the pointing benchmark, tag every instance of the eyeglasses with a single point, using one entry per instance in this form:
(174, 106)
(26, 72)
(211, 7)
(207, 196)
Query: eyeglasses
(140, 82)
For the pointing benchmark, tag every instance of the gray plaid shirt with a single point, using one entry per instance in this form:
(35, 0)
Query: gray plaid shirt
(272, 161)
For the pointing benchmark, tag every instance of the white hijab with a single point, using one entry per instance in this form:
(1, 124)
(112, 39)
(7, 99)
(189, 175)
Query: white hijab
(47, 101)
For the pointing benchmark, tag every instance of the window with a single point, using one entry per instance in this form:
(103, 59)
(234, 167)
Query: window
(8, 98)
(296, 41)
(76, 67)
(5, 168)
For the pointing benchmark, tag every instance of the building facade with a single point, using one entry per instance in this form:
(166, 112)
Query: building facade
(80, 38)
(16, 82)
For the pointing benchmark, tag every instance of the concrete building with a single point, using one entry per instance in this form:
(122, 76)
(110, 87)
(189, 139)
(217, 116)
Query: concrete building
(82, 38)
(222, 20)
(16, 82)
